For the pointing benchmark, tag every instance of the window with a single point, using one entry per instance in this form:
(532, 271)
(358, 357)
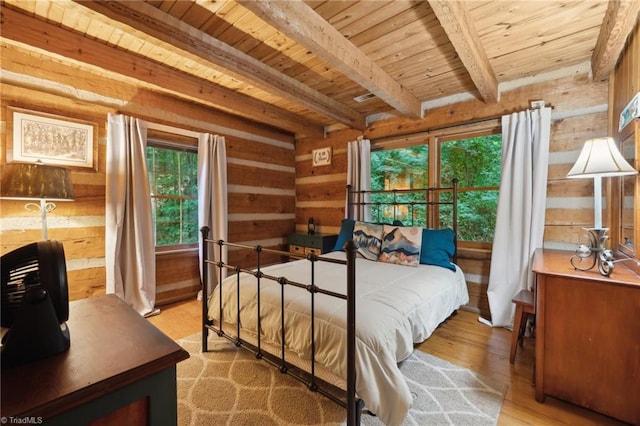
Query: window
(402, 168)
(474, 159)
(476, 163)
(173, 178)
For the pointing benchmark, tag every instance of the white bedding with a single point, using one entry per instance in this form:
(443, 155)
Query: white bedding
(396, 306)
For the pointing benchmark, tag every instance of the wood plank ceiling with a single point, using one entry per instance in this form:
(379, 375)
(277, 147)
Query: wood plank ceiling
(298, 65)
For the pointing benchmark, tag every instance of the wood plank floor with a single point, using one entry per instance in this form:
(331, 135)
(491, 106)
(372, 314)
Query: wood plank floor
(463, 341)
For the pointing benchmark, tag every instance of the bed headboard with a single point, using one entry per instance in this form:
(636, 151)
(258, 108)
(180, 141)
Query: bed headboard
(405, 202)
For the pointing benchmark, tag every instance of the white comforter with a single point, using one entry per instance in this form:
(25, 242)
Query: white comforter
(396, 306)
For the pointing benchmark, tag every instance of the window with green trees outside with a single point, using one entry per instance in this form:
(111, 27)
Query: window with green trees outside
(475, 160)
(173, 179)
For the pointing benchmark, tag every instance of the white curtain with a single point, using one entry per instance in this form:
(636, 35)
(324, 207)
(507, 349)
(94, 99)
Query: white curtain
(521, 209)
(212, 198)
(129, 240)
(359, 177)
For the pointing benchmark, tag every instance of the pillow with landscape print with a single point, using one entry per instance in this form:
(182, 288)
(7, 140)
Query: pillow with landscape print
(368, 239)
(401, 245)
(438, 248)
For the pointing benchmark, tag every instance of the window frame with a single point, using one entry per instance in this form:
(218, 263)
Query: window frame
(434, 139)
(177, 143)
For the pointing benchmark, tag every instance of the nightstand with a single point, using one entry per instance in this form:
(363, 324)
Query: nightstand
(587, 334)
(301, 243)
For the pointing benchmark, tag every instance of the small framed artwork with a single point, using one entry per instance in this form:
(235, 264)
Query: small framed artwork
(53, 139)
(630, 112)
(321, 157)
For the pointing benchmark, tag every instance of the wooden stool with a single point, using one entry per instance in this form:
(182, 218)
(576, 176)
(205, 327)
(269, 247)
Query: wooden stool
(524, 308)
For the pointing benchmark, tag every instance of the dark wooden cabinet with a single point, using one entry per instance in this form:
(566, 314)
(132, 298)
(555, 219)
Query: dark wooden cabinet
(587, 336)
(120, 369)
(311, 243)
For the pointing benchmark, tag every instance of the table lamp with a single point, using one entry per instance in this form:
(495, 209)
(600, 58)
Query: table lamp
(36, 181)
(599, 158)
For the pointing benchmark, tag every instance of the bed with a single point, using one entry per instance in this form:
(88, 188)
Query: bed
(350, 316)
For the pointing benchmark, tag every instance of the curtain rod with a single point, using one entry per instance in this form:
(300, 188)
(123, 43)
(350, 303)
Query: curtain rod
(175, 130)
(488, 121)
(554, 117)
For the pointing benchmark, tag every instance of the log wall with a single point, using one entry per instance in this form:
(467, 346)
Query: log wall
(624, 85)
(579, 113)
(261, 171)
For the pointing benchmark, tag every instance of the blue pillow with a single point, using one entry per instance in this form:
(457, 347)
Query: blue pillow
(346, 234)
(438, 248)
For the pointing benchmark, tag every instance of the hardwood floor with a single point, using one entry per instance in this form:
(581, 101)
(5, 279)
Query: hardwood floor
(463, 341)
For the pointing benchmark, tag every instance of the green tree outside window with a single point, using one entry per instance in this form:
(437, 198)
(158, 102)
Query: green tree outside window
(474, 161)
(173, 179)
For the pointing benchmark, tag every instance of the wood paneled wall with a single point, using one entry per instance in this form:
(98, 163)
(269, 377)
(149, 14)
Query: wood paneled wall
(624, 85)
(579, 113)
(261, 171)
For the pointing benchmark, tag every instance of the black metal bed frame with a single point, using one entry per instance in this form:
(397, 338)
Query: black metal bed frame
(353, 404)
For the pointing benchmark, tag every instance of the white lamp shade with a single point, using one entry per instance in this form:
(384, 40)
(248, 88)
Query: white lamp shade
(600, 157)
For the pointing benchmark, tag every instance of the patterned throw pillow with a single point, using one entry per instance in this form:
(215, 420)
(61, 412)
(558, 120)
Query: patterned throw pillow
(401, 245)
(368, 239)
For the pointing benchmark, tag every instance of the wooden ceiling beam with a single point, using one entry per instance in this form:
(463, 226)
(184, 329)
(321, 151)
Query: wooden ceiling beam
(302, 24)
(31, 31)
(618, 23)
(463, 36)
(91, 90)
(188, 41)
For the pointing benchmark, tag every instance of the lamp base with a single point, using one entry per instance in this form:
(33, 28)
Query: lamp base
(602, 257)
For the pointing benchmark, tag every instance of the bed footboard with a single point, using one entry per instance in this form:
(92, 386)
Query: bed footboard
(353, 404)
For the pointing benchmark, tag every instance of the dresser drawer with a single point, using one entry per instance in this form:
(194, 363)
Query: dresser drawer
(298, 239)
(312, 250)
(296, 249)
(323, 242)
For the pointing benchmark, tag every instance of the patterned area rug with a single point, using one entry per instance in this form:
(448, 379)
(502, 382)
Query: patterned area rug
(228, 386)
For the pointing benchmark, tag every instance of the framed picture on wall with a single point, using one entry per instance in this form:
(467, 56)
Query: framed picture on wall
(52, 139)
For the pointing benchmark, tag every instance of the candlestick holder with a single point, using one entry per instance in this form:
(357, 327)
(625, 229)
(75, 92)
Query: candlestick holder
(595, 253)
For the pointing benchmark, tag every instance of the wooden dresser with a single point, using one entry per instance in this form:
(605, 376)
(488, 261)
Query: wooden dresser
(120, 369)
(587, 336)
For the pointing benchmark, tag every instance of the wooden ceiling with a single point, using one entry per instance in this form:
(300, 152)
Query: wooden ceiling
(298, 65)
